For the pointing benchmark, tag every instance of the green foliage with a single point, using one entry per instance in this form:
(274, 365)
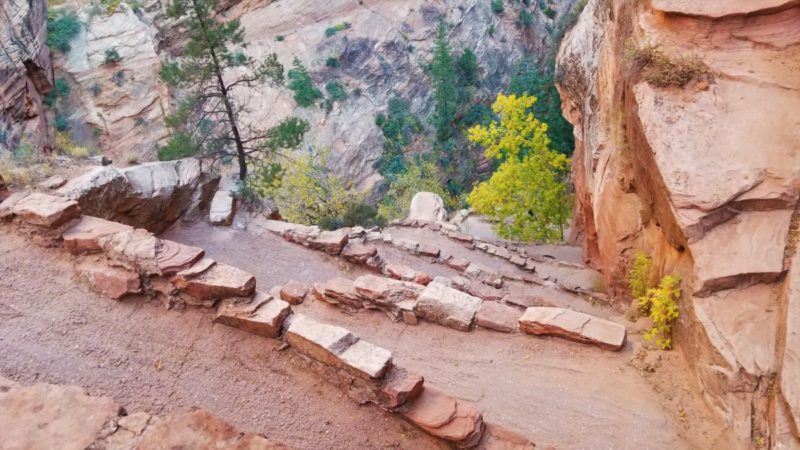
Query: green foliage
(332, 62)
(549, 12)
(61, 123)
(335, 90)
(398, 126)
(443, 75)
(60, 91)
(110, 5)
(61, 29)
(305, 94)
(662, 304)
(307, 191)
(497, 6)
(96, 89)
(206, 121)
(287, 134)
(118, 78)
(24, 153)
(478, 114)
(640, 275)
(280, 38)
(112, 56)
(420, 175)
(330, 31)
(527, 196)
(467, 68)
(525, 18)
(530, 80)
(491, 29)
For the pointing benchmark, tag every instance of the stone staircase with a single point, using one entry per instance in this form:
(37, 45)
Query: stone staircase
(117, 261)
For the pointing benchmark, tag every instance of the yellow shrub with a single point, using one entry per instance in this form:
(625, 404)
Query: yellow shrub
(662, 302)
(68, 147)
(640, 275)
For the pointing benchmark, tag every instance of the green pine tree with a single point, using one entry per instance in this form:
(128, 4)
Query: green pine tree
(207, 121)
(444, 84)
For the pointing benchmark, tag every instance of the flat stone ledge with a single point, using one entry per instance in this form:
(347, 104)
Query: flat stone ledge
(573, 325)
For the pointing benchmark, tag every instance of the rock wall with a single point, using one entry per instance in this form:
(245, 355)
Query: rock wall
(26, 74)
(705, 179)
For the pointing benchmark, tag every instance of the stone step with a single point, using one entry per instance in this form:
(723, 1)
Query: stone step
(294, 292)
(498, 317)
(446, 417)
(573, 325)
(85, 234)
(214, 281)
(173, 257)
(401, 386)
(111, 282)
(262, 315)
(447, 306)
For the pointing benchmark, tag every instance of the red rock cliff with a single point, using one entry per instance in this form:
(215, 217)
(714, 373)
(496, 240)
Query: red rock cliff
(704, 177)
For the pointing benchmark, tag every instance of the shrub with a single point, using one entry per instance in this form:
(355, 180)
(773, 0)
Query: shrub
(661, 70)
(112, 56)
(640, 275)
(497, 6)
(96, 89)
(305, 94)
(549, 12)
(335, 91)
(60, 90)
(491, 30)
(61, 29)
(61, 123)
(330, 31)
(65, 144)
(419, 176)
(24, 153)
(662, 304)
(280, 38)
(525, 18)
(118, 78)
(332, 62)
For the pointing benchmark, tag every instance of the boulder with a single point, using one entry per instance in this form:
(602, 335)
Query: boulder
(447, 306)
(400, 387)
(339, 291)
(331, 242)
(485, 292)
(205, 281)
(366, 360)
(359, 253)
(447, 418)
(85, 234)
(294, 292)
(222, 208)
(317, 340)
(263, 315)
(109, 281)
(573, 325)
(39, 209)
(151, 195)
(427, 206)
(498, 317)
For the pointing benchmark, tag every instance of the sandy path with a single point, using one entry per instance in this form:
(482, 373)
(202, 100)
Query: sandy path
(557, 393)
(53, 330)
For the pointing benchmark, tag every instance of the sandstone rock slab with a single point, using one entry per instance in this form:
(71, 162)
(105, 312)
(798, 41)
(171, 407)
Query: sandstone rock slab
(331, 242)
(216, 281)
(109, 281)
(85, 234)
(222, 208)
(263, 315)
(339, 291)
(40, 209)
(173, 257)
(573, 325)
(446, 417)
(498, 317)
(359, 253)
(447, 306)
(485, 291)
(320, 341)
(460, 264)
(294, 292)
(400, 387)
(366, 360)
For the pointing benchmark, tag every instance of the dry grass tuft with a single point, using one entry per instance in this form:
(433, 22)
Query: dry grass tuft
(662, 70)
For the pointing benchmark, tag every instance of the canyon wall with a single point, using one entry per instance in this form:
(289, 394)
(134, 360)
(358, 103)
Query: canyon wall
(26, 74)
(702, 174)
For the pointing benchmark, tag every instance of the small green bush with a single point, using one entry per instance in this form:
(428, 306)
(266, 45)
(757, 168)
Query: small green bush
(330, 31)
(525, 18)
(112, 56)
(336, 91)
(497, 6)
(61, 123)
(332, 62)
(96, 89)
(280, 38)
(61, 29)
(118, 78)
(549, 12)
(491, 29)
(305, 94)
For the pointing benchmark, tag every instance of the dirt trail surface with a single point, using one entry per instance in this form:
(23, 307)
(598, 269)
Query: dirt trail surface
(554, 392)
(149, 359)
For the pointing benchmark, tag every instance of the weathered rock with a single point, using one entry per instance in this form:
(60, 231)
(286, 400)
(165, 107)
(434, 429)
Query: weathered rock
(109, 281)
(400, 272)
(173, 257)
(460, 237)
(460, 264)
(518, 261)
(485, 292)
(39, 209)
(428, 250)
(359, 253)
(446, 417)
(427, 206)
(366, 360)
(133, 249)
(790, 370)
(54, 182)
(502, 252)
(320, 341)
(222, 208)
(498, 317)
(573, 325)
(448, 307)
(498, 438)
(524, 296)
(375, 263)
(45, 416)
(230, 310)
(422, 278)
(4, 192)
(151, 195)
(339, 291)
(331, 242)
(400, 387)
(393, 296)
(85, 234)
(294, 292)
(294, 232)
(263, 315)
(216, 281)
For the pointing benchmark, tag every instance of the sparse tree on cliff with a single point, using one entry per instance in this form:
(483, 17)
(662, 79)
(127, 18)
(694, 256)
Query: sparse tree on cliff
(527, 196)
(443, 75)
(208, 117)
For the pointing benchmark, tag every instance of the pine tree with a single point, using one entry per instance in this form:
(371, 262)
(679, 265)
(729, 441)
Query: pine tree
(444, 84)
(207, 121)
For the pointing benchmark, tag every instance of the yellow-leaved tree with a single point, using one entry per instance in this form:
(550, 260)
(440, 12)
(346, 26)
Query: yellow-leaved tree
(527, 195)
